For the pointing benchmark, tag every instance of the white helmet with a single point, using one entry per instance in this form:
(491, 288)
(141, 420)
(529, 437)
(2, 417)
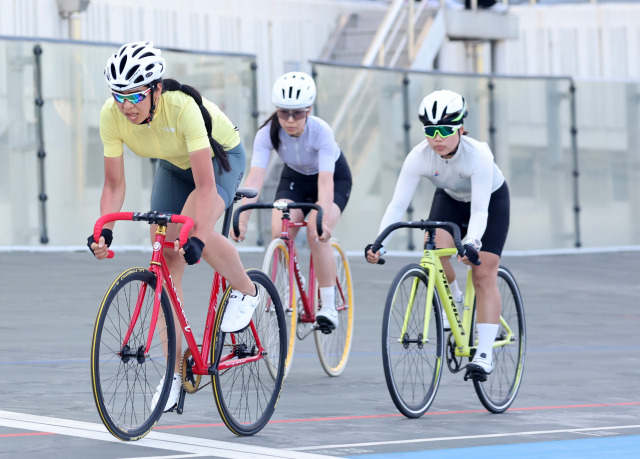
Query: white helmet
(294, 90)
(135, 64)
(443, 107)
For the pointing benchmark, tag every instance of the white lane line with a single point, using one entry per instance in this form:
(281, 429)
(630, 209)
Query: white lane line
(171, 442)
(467, 437)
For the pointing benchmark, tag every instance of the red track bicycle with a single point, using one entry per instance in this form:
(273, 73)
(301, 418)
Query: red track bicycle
(301, 304)
(134, 346)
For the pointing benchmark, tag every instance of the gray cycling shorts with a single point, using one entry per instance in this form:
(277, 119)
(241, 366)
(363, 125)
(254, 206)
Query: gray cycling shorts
(172, 185)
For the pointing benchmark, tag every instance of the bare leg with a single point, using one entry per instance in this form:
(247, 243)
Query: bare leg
(444, 239)
(323, 261)
(485, 282)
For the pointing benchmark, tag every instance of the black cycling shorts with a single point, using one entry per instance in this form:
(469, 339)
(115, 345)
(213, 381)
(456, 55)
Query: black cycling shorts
(445, 208)
(304, 188)
(172, 185)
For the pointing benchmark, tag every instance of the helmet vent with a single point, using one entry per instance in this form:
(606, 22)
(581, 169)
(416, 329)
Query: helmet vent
(132, 71)
(123, 63)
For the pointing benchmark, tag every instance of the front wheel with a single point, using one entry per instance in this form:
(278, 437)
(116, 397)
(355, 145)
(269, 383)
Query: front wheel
(276, 266)
(124, 375)
(499, 391)
(412, 360)
(245, 392)
(333, 348)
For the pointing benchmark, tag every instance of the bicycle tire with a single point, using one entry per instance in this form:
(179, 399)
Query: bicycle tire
(499, 391)
(245, 394)
(123, 387)
(334, 348)
(276, 266)
(412, 369)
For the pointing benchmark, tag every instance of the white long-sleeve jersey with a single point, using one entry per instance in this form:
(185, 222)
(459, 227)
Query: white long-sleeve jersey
(470, 176)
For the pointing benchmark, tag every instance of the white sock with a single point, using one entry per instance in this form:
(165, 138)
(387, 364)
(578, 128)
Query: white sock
(455, 291)
(486, 337)
(327, 294)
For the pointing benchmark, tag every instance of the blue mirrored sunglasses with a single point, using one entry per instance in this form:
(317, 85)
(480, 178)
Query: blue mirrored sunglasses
(444, 131)
(134, 98)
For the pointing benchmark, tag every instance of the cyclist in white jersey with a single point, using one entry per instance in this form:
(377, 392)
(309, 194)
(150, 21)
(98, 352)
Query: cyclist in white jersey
(315, 171)
(471, 192)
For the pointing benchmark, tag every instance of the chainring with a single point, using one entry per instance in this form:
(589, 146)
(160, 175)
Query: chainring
(453, 362)
(190, 382)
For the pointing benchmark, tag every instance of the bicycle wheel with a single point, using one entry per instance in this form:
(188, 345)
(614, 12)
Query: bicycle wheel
(412, 362)
(499, 391)
(123, 376)
(276, 266)
(244, 391)
(333, 348)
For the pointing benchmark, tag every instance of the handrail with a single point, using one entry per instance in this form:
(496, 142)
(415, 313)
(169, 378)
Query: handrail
(380, 36)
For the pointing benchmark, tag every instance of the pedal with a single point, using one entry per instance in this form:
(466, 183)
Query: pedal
(476, 374)
(324, 325)
(180, 405)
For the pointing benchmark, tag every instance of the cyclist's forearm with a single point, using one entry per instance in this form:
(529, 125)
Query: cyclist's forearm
(325, 190)
(255, 179)
(112, 200)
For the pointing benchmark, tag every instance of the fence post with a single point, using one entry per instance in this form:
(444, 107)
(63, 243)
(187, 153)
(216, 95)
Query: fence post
(39, 102)
(576, 167)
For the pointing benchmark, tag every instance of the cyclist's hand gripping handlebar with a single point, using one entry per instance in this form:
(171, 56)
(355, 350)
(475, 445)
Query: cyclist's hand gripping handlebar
(280, 205)
(425, 225)
(150, 217)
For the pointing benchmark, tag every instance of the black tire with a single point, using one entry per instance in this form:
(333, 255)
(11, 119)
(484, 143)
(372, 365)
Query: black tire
(246, 394)
(125, 383)
(412, 368)
(499, 391)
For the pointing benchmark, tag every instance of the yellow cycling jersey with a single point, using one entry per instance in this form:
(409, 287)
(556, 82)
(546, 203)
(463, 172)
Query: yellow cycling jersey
(177, 129)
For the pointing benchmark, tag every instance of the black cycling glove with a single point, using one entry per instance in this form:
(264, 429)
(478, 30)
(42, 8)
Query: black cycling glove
(472, 254)
(193, 250)
(106, 233)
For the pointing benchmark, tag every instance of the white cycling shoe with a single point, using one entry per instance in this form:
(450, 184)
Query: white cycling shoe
(481, 364)
(172, 401)
(328, 316)
(239, 311)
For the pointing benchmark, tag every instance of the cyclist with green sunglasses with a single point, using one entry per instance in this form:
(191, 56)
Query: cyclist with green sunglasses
(470, 191)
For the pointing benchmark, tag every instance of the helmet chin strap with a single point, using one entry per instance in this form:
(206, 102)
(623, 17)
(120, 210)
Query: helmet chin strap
(453, 153)
(153, 106)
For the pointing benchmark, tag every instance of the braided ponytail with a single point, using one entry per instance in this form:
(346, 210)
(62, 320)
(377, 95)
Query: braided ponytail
(218, 150)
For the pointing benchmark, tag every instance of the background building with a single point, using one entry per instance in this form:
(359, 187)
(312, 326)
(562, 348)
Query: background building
(552, 87)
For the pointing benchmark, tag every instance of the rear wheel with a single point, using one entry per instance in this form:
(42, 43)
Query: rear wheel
(276, 266)
(245, 392)
(333, 348)
(124, 377)
(499, 391)
(412, 361)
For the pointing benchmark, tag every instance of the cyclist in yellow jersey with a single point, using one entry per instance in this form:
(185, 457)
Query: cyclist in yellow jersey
(202, 161)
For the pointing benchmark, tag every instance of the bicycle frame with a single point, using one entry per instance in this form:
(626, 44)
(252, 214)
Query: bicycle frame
(159, 268)
(295, 275)
(460, 328)
(437, 281)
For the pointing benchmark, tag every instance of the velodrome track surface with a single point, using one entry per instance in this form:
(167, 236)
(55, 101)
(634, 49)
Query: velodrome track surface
(580, 396)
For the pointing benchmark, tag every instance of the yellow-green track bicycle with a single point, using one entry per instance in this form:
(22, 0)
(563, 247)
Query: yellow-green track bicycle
(414, 348)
